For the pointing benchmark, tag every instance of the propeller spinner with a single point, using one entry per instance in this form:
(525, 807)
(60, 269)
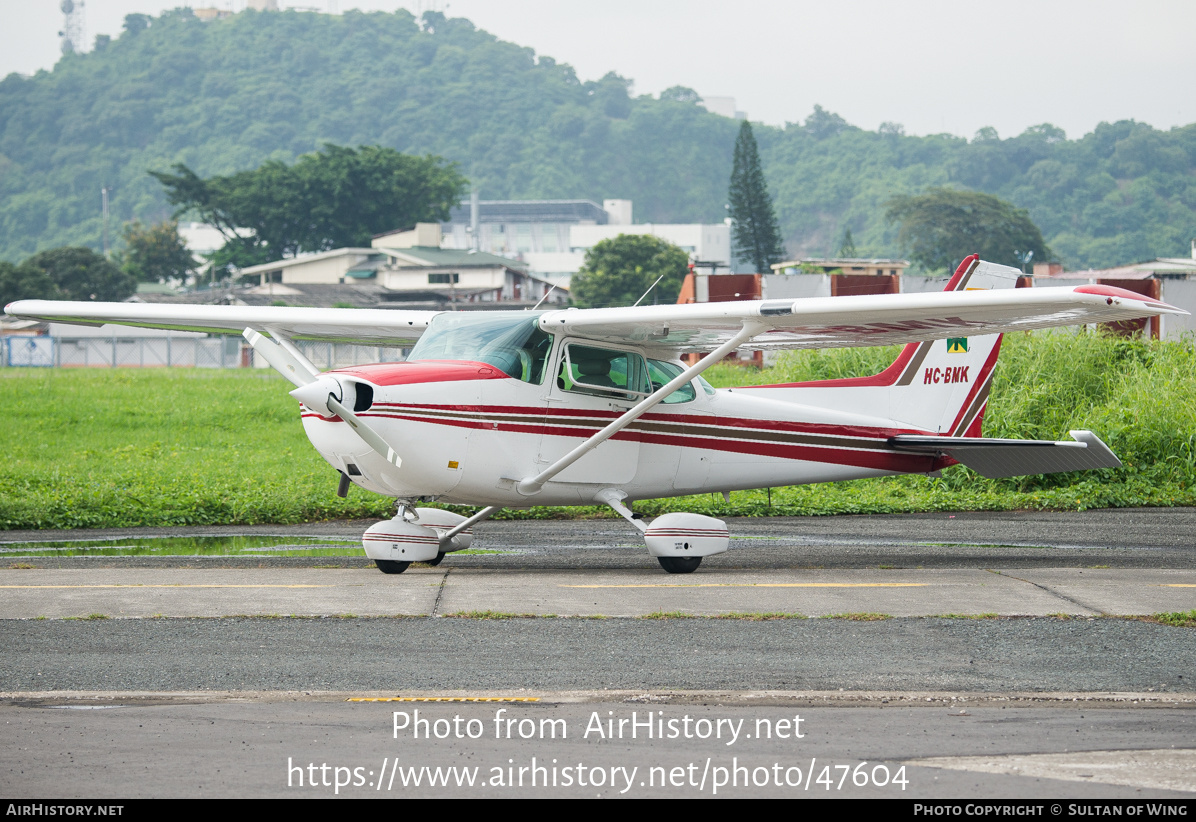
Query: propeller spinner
(322, 393)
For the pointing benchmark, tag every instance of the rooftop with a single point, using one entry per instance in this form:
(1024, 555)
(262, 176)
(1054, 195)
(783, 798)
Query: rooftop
(424, 256)
(841, 262)
(301, 259)
(532, 211)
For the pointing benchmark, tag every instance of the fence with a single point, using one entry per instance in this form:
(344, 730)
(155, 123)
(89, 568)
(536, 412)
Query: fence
(24, 351)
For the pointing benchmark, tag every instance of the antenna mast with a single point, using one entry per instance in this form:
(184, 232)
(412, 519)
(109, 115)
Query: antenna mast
(104, 192)
(72, 34)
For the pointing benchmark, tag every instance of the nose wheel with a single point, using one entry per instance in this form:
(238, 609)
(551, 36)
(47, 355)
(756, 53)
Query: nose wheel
(679, 565)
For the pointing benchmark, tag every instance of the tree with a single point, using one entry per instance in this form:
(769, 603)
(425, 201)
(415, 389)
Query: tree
(78, 274)
(822, 124)
(237, 253)
(847, 244)
(681, 94)
(156, 253)
(20, 283)
(137, 23)
(944, 225)
(525, 127)
(618, 271)
(757, 236)
(332, 198)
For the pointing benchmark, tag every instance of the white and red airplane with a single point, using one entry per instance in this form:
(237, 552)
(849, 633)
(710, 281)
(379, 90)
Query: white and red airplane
(581, 406)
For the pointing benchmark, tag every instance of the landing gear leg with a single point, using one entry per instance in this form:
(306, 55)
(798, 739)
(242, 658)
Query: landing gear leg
(677, 540)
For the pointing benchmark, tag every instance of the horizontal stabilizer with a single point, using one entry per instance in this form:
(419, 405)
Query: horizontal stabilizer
(1014, 458)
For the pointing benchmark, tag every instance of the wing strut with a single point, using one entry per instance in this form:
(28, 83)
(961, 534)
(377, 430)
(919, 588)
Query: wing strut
(485, 513)
(533, 485)
(288, 361)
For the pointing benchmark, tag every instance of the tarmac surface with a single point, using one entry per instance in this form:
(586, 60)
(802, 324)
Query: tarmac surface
(1013, 661)
(1121, 538)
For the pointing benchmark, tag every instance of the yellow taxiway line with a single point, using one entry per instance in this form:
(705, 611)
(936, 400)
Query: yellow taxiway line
(766, 585)
(165, 585)
(443, 699)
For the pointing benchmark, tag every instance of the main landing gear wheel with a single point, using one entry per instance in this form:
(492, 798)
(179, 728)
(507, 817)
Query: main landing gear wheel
(434, 562)
(679, 565)
(390, 566)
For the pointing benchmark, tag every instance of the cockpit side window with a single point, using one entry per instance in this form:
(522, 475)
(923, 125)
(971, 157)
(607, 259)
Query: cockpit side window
(661, 372)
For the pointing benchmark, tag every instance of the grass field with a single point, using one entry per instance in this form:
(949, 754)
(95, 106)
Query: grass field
(123, 447)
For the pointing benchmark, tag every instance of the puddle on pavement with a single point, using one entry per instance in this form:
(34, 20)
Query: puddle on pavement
(235, 546)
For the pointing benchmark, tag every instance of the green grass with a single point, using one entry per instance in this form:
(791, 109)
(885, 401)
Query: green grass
(496, 615)
(760, 616)
(967, 616)
(860, 617)
(1180, 619)
(89, 448)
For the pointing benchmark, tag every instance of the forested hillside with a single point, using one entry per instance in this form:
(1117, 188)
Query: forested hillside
(227, 95)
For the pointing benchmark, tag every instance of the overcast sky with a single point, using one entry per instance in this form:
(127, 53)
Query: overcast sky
(931, 65)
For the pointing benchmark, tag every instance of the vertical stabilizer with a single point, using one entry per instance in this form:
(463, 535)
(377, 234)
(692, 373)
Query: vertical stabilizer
(944, 386)
(937, 386)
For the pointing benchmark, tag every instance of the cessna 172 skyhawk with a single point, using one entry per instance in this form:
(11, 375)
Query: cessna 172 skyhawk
(577, 406)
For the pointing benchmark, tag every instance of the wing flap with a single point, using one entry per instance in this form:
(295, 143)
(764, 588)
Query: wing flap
(366, 326)
(995, 458)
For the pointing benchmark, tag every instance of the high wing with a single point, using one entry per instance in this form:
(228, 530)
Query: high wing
(366, 326)
(819, 322)
(837, 322)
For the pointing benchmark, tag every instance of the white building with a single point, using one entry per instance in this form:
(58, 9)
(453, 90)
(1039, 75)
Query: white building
(410, 266)
(201, 238)
(724, 106)
(551, 237)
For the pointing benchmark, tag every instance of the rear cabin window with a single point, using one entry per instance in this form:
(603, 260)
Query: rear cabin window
(603, 372)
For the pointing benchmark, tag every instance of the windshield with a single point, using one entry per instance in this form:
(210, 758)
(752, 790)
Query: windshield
(510, 341)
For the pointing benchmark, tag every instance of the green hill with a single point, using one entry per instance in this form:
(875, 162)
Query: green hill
(227, 95)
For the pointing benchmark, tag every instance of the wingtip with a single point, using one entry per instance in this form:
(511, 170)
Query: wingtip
(1110, 293)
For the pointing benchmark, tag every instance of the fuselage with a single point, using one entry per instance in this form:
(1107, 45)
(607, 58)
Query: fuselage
(469, 431)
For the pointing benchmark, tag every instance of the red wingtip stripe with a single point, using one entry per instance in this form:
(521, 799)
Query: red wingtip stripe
(1122, 293)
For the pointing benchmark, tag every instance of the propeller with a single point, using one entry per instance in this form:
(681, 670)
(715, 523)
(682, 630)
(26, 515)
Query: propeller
(324, 394)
